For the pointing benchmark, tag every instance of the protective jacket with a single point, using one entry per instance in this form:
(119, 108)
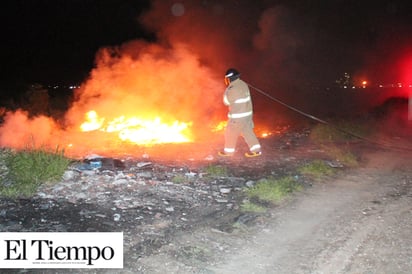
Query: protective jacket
(237, 98)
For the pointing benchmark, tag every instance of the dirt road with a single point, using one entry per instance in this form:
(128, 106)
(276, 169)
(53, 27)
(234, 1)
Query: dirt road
(360, 222)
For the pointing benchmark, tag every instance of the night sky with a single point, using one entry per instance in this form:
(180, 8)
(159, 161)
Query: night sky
(55, 41)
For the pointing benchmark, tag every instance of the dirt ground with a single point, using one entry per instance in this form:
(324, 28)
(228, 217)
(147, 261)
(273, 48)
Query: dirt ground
(357, 221)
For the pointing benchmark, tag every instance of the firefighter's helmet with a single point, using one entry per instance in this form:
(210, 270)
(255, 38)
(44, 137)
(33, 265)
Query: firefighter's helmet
(232, 74)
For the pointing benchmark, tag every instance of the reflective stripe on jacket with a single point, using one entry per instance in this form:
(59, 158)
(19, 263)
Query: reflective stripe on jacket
(237, 98)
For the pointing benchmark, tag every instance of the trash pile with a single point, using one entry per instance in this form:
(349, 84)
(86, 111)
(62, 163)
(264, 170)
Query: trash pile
(149, 200)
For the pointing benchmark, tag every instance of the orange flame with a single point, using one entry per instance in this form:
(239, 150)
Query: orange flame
(220, 126)
(140, 131)
(92, 121)
(129, 100)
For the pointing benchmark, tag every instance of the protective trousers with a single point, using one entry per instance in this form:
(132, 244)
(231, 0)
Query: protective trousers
(240, 126)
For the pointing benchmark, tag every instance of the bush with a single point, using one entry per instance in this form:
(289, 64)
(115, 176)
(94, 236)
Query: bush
(273, 190)
(343, 131)
(29, 168)
(216, 171)
(316, 169)
(249, 206)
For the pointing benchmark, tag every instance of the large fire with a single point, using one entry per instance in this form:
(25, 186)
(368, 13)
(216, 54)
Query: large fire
(167, 89)
(139, 131)
(129, 99)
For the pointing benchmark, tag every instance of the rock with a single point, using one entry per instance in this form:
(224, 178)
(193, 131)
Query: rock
(116, 217)
(144, 164)
(70, 175)
(121, 182)
(225, 190)
(170, 209)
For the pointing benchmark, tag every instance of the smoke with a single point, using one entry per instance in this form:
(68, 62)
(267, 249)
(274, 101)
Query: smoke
(264, 41)
(20, 131)
(147, 80)
(179, 75)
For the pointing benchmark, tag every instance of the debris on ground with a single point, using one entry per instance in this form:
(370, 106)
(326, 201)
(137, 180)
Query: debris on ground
(150, 201)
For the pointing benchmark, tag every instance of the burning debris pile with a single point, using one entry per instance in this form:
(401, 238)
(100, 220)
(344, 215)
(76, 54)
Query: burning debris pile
(165, 91)
(143, 101)
(168, 89)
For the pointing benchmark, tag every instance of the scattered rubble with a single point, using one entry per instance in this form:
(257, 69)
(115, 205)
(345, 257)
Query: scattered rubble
(151, 200)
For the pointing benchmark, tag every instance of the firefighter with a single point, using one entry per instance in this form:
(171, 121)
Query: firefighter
(240, 117)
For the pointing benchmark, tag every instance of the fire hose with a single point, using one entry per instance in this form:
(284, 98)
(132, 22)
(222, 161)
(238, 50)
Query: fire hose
(312, 117)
